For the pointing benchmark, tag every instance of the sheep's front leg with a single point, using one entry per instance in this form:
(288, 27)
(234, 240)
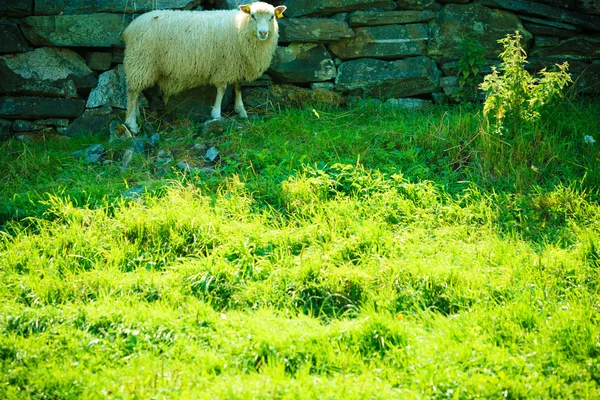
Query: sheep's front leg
(132, 111)
(239, 104)
(216, 110)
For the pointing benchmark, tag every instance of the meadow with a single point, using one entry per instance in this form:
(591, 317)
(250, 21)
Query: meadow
(353, 253)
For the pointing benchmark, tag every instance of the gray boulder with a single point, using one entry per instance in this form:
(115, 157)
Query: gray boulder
(111, 90)
(581, 47)
(488, 24)
(40, 107)
(402, 78)
(13, 40)
(370, 18)
(298, 8)
(313, 30)
(301, 63)
(45, 71)
(390, 41)
(278, 97)
(543, 27)
(55, 7)
(92, 122)
(87, 30)
(578, 19)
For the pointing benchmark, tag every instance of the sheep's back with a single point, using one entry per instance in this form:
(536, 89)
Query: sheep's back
(191, 48)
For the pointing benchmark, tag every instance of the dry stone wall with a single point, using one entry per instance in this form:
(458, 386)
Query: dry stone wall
(61, 60)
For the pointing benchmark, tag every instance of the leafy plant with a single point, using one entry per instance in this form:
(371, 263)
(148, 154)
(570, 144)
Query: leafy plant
(514, 98)
(469, 66)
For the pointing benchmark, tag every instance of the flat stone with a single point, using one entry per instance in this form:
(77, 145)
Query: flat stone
(371, 18)
(13, 40)
(546, 41)
(99, 60)
(390, 41)
(45, 71)
(298, 8)
(16, 8)
(300, 63)
(402, 78)
(55, 7)
(40, 107)
(92, 122)
(313, 30)
(488, 24)
(541, 30)
(578, 19)
(580, 47)
(86, 30)
(111, 90)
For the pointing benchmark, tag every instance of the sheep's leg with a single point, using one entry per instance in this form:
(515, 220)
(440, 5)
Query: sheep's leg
(132, 111)
(239, 104)
(216, 110)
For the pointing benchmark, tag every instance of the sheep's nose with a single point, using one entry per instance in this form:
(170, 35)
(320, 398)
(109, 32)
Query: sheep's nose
(263, 34)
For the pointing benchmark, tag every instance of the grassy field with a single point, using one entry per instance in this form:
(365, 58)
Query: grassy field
(356, 253)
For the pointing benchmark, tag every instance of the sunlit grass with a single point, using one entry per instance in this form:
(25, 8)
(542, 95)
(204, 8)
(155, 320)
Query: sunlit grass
(366, 253)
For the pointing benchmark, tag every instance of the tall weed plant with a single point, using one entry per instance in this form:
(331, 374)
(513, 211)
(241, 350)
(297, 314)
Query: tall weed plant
(514, 98)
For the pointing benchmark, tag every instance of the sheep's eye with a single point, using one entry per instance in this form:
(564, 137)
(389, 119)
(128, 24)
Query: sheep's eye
(272, 16)
(254, 17)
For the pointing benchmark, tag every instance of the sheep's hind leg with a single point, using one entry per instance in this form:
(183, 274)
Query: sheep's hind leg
(216, 110)
(239, 104)
(132, 111)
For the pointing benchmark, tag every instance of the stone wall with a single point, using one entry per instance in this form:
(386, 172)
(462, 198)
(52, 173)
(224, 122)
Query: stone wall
(61, 71)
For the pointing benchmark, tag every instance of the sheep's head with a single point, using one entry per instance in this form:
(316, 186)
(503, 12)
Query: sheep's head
(263, 16)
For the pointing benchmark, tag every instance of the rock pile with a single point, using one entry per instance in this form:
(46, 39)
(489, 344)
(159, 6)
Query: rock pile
(61, 60)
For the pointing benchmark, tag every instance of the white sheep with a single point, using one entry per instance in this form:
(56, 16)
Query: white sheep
(183, 49)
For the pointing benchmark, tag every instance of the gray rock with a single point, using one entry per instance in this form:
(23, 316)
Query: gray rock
(546, 41)
(578, 19)
(111, 90)
(16, 8)
(390, 41)
(55, 7)
(402, 78)
(93, 122)
(313, 30)
(370, 18)
(93, 158)
(164, 157)
(154, 140)
(581, 47)
(551, 28)
(40, 107)
(95, 149)
(300, 63)
(488, 24)
(87, 30)
(418, 5)
(99, 60)
(13, 40)
(263, 80)
(298, 8)
(323, 85)
(45, 71)
(127, 157)
(407, 104)
(212, 127)
(212, 154)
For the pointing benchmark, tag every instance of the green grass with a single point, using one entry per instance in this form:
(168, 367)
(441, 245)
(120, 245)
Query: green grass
(359, 253)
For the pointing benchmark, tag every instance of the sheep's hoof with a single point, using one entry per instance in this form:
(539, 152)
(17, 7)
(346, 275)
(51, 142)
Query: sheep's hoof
(243, 114)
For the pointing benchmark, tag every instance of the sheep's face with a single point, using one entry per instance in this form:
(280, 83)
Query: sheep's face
(263, 15)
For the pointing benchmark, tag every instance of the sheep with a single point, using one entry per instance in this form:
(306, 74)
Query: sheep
(179, 50)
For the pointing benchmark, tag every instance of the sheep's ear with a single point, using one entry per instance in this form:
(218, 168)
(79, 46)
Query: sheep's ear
(245, 8)
(279, 11)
